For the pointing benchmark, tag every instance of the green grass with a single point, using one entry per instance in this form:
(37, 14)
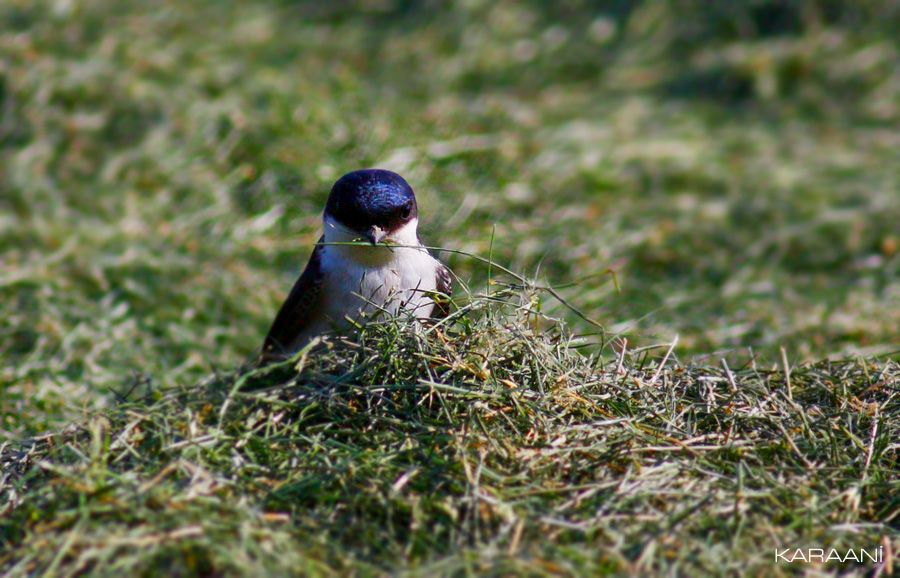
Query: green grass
(487, 449)
(162, 171)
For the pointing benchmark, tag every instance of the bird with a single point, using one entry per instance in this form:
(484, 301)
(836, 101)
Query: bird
(369, 262)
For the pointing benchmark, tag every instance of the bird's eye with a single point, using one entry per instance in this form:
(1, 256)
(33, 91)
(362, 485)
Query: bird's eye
(406, 211)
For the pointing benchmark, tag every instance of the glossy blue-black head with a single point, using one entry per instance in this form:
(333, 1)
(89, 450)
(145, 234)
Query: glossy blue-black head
(372, 198)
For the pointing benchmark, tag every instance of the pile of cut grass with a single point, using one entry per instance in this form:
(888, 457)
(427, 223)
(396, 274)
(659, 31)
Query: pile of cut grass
(487, 445)
(163, 171)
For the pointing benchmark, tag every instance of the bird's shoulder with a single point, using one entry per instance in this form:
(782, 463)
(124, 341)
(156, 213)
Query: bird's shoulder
(443, 279)
(443, 284)
(301, 307)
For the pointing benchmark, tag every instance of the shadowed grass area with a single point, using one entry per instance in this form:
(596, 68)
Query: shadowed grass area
(482, 447)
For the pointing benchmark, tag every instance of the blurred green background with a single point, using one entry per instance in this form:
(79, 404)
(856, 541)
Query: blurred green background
(163, 166)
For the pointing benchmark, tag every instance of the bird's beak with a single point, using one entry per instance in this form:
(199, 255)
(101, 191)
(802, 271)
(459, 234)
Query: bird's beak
(375, 235)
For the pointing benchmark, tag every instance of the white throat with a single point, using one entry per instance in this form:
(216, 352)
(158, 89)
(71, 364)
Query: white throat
(365, 279)
(405, 239)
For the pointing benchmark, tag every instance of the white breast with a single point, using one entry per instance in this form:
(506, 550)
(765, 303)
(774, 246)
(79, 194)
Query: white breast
(362, 283)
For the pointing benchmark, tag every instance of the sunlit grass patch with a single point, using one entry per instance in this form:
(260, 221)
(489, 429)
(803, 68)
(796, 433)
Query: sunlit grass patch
(162, 173)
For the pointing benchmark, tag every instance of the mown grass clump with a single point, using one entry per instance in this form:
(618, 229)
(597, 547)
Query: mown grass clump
(482, 446)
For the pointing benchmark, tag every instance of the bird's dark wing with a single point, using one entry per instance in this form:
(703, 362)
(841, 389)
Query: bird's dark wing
(295, 314)
(443, 285)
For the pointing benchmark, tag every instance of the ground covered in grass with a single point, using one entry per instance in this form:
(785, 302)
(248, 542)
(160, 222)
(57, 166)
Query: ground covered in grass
(162, 171)
(476, 448)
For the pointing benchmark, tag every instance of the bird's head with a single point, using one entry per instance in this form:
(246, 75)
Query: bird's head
(372, 205)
